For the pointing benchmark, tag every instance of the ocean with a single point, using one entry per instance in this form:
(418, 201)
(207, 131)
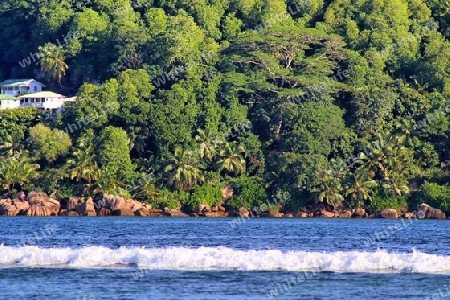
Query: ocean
(198, 258)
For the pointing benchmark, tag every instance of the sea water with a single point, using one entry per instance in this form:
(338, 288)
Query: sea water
(197, 258)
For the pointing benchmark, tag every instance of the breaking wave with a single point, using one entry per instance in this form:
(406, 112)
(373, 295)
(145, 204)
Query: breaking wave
(222, 258)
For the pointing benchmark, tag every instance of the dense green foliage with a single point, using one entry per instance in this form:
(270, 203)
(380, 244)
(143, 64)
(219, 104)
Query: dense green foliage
(329, 101)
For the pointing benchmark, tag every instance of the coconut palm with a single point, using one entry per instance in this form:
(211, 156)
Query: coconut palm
(11, 145)
(330, 191)
(231, 159)
(84, 165)
(52, 61)
(207, 144)
(359, 187)
(17, 170)
(396, 186)
(184, 169)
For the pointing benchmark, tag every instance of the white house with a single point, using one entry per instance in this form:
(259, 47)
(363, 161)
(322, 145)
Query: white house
(15, 87)
(48, 101)
(7, 101)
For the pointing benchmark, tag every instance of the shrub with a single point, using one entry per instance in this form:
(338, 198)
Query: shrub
(438, 196)
(380, 202)
(248, 193)
(205, 194)
(170, 199)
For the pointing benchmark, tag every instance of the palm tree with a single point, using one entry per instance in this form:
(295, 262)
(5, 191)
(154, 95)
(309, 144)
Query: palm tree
(144, 188)
(84, 165)
(396, 186)
(52, 61)
(232, 159)
(330, 189)
(11, 145)
(17, 170)
(359, 187)
(207, 144)
(184, 169)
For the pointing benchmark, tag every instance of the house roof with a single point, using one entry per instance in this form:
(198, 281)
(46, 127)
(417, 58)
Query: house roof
(7, 97)
(43, 94)
(18, 82)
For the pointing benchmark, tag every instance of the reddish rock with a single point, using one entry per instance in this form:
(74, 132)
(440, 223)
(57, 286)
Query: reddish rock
(86, 208)
(124, 212)
(53, 206)
(37, 210)
(103, 212)
(217, 214)
(72, 203)
(301, 214)
(359, 213)
(178, 214)
(389, 214)
(243, 212)
(288, 216)
(221, 208)
(345, 214)
(227, 192)
(68, 213)
(22, 206)
(37, 198)
(326, 214)
(134, 205)
(275, 214)
(408, 215)
(7, 208)
(143, 212)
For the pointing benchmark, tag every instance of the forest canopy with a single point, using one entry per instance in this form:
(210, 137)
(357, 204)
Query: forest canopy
(332, 102)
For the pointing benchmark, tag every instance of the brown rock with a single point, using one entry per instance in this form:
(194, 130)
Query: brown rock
(123, 212)
(275, 214)
(326, 214)
(114, 202)
(389, 213)
(86, 207)
(72, 203)
(408, 215)
(21, 206)
(91, 214)
(20, 196)
(178, 214)
(53, 206)
(359, 213)
(301, 214)
(134, 205)
(221, 208)
(68, 213)
(7, 208)
(143, 212)
(103, 212)
(345, 214)
(288, 216)
(427, 212)
(243, 212)
(206, 209)
(222, 214)
(37, 198)
(37, 210)
(156, 211)
(216, 214)
(194, 215)
(152, 214)
(227, 192)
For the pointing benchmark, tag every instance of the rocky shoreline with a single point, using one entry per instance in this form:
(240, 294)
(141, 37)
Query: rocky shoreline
(37, 204)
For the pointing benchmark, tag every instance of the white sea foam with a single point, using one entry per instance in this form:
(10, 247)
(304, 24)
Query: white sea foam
(222, 258)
